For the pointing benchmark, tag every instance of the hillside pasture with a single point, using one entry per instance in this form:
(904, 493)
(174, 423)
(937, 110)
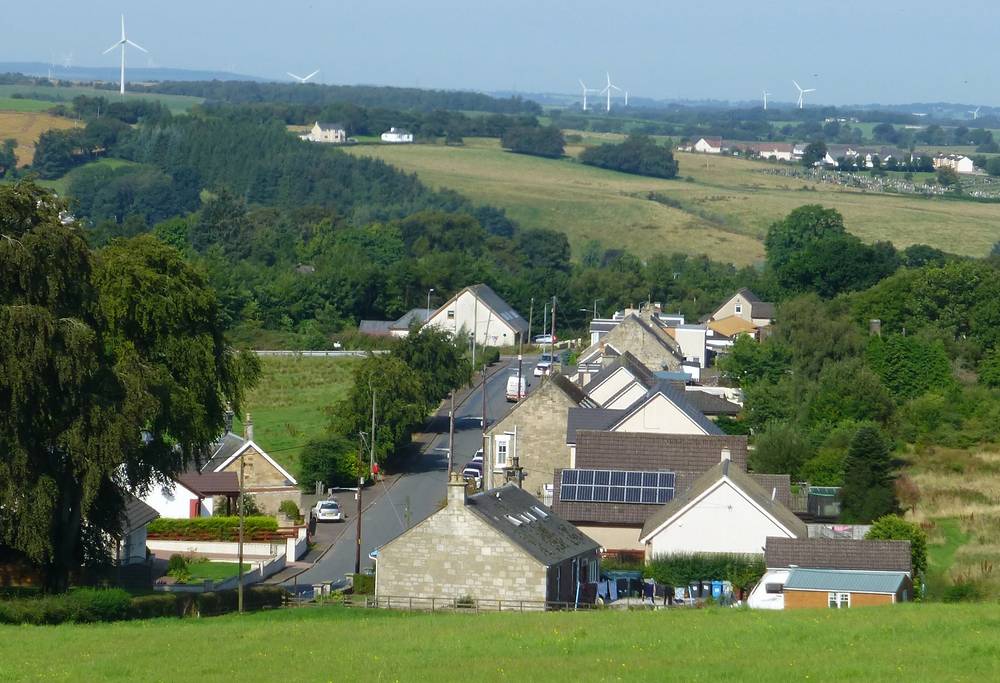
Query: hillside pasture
(720, 206)
(26, 126)
(64, 94)
(894, 643)
(24, 104)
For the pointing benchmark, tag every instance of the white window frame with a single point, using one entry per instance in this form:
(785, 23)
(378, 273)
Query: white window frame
(451, 314)
(838, 600)
(739, 308)
(504, 442)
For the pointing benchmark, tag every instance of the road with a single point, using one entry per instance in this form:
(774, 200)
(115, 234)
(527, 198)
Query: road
(421, 491)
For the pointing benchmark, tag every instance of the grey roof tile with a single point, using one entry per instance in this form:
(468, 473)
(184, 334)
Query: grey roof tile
(838, 553)
(226, 446)
(500, 307)
(137, 514)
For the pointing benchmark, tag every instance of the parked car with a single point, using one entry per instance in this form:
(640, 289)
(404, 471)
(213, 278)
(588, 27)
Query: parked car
(513, 393)
(546, 339)
(542, 368)
(328, 511)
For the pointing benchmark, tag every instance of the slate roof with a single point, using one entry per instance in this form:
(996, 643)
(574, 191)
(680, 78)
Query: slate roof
(710, 404)
(548, 538)
(838, 553)
(376, 327)
(592, 419)
(137, 514)
(225, 447)
(758, 308)
(576, 394)
(744, 482)
(500, 307)
(847, 581)
(419, 314)
(626, 360)
(325, 125)
(654, 331)
(210, 483)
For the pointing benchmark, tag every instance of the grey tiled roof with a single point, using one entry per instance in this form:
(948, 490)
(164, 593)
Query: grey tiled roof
(210, 483)
(710, 404)
(376, 327)
(576, 394)
(626, 360)
(758, 308)
(598, 419)
(779, 484)
(137, 514)
(500, 307)
(610, 513)
(226, 446)
(741, 480)
(418, 314)
(838, 553)
(548, 538)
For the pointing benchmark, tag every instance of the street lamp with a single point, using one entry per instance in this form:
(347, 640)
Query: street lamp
(429, 292)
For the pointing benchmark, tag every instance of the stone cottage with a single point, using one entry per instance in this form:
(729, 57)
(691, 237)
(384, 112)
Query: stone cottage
(499, 547)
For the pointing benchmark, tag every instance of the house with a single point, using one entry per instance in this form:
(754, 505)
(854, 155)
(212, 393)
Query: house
(535, 431)
(958, 162)
(395, 328)
(779, 151)
(692, 341)
(599, 327)
(833, 573)
(621, 382)
(397, 135)
(724, 511)
(748, 306)
(131, 547)
(708, 145)
(638, 334)
(480, 310)
(191, 494)
(497, 548)
(332, 133)
(263, 477)
(662, 463)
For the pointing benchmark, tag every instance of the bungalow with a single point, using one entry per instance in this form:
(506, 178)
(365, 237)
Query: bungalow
(712, 145)
(395, 328)
(833, 573)
(330, 133)
(191, 494)
(724, 511)
(480, 311)
(496, 549)
(397, 135)
(534, 431)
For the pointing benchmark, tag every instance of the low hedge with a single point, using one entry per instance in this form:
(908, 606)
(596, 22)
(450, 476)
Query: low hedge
(364, 584)
(211, 528)
(85, 605)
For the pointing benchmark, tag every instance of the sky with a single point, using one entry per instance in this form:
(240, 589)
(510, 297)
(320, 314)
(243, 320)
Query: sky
(851, 51)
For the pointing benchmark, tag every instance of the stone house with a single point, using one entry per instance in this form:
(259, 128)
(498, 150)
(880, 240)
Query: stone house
(640, 334)
(499, 546)
(535, 431)
(331, 133)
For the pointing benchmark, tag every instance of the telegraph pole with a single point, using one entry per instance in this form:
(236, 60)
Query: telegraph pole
(361, 483)
(451, 435)
(239, 585)
(487, 456)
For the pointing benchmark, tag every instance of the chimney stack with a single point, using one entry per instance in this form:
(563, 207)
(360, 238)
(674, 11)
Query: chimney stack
(456, 490)
(726, 455)
(248, 428)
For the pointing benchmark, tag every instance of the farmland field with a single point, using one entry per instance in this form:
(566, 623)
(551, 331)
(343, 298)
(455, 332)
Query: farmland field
(65, 94)
(22, 104)
(721, 207)
(25, 127)
(288, 405)
(901, 643)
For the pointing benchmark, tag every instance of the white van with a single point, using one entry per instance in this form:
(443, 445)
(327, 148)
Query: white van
(512, 388)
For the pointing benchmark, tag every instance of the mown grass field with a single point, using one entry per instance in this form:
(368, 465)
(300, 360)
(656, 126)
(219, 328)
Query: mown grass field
(289, 404)
(22, 104)
(719, 206)
(25, 127)
(901, 643)
(66, 93)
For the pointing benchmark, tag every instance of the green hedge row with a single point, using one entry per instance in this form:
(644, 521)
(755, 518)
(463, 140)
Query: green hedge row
(212, 528)
(86, 605)
(683, 568)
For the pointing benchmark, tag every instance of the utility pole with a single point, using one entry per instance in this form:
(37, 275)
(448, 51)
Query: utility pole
(361, 483)
(239, 560)
(487, 456)
(552, 332)
(451, 435)
(371, 461)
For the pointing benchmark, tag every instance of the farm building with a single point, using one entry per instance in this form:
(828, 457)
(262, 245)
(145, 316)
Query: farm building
(499, 546)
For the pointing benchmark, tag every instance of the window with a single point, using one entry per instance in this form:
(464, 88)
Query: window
(451, 314)
(739, 308)
(839, 600)
(502, 449)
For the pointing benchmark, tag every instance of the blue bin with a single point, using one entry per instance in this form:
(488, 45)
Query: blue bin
(716, 590)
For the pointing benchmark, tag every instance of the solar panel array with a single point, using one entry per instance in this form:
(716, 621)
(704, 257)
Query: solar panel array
(616, 486)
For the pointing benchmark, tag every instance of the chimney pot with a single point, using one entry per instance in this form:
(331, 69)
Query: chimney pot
(248, 428)
(726, 455)
(456, 490)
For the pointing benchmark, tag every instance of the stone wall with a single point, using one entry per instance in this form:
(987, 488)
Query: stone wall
(541, 436)
(453, 554)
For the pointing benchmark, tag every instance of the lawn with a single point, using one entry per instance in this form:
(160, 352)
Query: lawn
(721, 206)
(66, 93)
(289, 405)
(903, 643)
(202, 570)
(26, 126)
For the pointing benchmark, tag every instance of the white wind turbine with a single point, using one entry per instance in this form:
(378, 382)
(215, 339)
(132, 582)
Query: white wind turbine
(802, 91)
(123, 43)
(585, 91)
(626, 98)
(607, 90)
(766, 93)
(975, 113)
(302, 79)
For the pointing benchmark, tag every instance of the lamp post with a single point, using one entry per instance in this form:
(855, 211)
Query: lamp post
(429, 292)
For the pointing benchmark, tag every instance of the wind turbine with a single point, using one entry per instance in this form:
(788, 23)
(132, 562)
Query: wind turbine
(302, 79)
(626, 98)
(975, 113)
(607, 90)
(585, 91)
(802, 91)
(766, 93)
(123, 43)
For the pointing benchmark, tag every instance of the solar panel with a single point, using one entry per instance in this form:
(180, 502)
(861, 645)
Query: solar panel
(616, 486)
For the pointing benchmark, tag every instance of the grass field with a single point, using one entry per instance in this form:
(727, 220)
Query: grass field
(902, 643)
(289, 405)
(19, 104)
(724, 210)
(58, 94)
(25, 127)
(61, 185)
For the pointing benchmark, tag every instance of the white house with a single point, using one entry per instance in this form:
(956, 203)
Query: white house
(397, 135)
(779, 151)
(958, 162)
(709, 145)
(191, 494)
(724, 511)
(131, 547)
(746, 305)
(691, 339)
(333, 133)
(478, 309)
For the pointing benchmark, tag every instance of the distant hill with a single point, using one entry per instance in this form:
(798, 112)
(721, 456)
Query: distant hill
(110, 73)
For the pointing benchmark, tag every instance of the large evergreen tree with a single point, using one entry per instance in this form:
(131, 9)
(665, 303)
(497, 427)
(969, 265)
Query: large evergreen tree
(113, 375)
(867, 493)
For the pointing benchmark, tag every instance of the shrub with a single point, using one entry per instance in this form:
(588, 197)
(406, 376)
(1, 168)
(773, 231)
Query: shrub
(895, 528)
(176, 563)
(963, 591)
(211, 528)
(289, 509)
(154, 606)
(364, 584)
(220, 602)
(682, 568)
(82, 605)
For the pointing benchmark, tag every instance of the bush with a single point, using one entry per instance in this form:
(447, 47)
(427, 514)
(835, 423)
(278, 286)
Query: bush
(176, 563)
(82, 605)
(289, 509)
(155, 606)
(963, 591)
(211, 528)
(895, 528)
(364, 584)
(544, 141)
(639, 154)
(220, 602)
(680, 569)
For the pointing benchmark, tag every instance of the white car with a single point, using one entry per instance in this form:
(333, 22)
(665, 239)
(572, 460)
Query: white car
(328, 511)
(542, 368)
(545, 339)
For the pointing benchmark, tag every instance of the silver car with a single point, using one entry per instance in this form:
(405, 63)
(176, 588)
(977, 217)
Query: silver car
(328, 511)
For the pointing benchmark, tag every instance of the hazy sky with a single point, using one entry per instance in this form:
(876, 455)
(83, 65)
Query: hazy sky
(850, 50)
